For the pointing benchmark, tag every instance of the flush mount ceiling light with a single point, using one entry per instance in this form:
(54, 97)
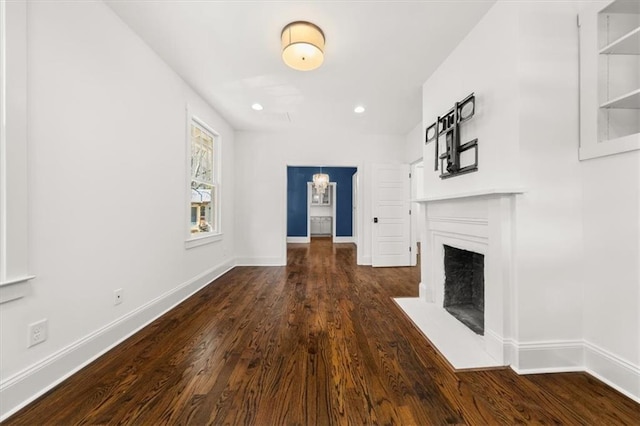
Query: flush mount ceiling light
(302, 45)
(257, 107)
(359, 109)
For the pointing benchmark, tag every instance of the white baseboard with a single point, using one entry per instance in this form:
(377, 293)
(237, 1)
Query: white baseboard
(341, 240)
(298, 239)
(365, 261)
(261, 261)
(548, 357)
(579, 355)
(616, 372)
(20, 389)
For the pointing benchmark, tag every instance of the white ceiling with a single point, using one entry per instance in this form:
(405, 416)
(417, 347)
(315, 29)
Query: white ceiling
(377, 53)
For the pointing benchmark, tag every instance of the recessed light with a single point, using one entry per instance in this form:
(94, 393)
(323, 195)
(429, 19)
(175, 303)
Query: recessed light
(257, 107)
(359, 109)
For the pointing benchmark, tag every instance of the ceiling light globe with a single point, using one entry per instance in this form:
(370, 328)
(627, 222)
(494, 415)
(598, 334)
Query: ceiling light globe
(257, 107)
(359, 109)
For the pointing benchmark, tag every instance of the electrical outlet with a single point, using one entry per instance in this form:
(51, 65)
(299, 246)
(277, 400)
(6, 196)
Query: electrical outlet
(117, 296)
(38, 332)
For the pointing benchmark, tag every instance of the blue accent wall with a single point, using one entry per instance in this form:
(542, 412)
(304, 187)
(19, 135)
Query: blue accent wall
(297, 178)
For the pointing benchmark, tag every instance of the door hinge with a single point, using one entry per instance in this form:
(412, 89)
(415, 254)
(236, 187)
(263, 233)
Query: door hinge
(409, 212)
(409, 248)
(409, 175)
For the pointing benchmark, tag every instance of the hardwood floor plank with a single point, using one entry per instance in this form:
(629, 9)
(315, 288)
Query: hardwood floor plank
(595, 403)
(318, 342)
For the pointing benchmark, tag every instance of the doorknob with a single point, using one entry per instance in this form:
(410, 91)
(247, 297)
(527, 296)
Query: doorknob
(375, 220)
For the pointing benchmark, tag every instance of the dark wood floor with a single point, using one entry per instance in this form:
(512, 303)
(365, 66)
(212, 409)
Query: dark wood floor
(316, 342)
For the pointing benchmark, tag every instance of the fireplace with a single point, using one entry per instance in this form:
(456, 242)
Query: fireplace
(464, 287)
(480, 226)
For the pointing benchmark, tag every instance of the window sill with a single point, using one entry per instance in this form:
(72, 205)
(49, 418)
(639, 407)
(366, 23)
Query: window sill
(14, 289)
(202, 240)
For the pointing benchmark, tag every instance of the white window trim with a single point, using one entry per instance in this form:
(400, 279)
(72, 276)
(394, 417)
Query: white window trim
(14, 226)
(202, 240)
(208, 238)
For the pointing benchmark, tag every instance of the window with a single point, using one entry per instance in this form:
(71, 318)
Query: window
(204, 185)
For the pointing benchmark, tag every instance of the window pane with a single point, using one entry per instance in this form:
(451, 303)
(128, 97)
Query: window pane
(194, 214)
(202, 217)
(201, 154)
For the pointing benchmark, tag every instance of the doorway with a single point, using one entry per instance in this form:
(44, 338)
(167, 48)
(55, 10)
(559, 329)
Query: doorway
(417, 192)
(299, 203)
(321, 212)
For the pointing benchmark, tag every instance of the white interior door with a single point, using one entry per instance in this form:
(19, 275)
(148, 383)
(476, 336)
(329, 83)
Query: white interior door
(391, 218)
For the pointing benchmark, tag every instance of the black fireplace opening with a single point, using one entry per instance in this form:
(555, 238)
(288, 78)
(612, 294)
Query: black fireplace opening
(464, 287)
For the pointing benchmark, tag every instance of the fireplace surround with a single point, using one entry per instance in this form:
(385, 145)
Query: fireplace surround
(481, 223)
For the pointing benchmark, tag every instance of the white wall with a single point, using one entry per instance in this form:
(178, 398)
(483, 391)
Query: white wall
(549, 224)
(611, 265)
(577, 226)
(261, 182)
(485, 63)
(413, 144)
(107, 194)
(521, 62)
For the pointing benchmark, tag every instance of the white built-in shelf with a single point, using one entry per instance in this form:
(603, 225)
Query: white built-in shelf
(628, 44)
(624, 6)
(608, 123)
(629, 100)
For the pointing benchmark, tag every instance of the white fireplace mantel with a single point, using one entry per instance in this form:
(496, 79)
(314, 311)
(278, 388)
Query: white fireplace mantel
(478, 193)
(482, 221)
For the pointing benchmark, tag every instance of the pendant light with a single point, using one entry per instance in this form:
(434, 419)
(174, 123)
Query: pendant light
(320, 182)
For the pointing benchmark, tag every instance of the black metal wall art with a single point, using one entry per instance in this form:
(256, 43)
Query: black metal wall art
(449, 126)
